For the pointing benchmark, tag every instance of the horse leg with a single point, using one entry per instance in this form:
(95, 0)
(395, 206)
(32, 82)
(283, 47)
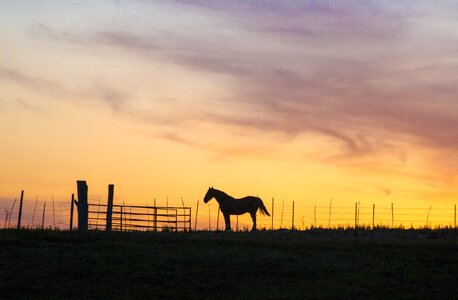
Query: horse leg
(253, 217)
(227, 219)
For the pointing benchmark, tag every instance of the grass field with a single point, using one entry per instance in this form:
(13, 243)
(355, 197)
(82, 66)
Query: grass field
(332, 264)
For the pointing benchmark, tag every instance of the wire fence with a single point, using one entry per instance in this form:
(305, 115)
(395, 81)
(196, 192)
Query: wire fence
(55, 214)
(287, 215)
(36, 213)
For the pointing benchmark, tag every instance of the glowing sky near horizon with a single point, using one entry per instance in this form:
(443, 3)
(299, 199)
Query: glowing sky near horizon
(302, 100)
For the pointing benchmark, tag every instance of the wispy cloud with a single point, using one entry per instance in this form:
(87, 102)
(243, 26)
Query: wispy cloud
(24, 80)
(60, 91)
(358, 73)
(29, 106)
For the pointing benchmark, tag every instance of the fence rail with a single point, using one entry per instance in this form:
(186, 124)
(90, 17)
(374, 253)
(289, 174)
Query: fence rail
(137, 218)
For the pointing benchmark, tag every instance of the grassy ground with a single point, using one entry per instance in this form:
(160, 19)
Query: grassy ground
(38, 264)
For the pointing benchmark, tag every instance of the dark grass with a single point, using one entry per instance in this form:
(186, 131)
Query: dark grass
(332, 264)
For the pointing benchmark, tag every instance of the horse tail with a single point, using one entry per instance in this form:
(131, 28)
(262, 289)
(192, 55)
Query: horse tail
(262, 208)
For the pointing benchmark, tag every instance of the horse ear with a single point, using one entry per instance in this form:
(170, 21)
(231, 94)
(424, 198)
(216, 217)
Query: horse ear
(212, 187)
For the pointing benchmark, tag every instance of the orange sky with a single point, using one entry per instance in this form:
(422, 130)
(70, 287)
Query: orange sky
(303, 101)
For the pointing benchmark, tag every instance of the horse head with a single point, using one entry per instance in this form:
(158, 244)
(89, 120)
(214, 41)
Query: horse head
(209, 195)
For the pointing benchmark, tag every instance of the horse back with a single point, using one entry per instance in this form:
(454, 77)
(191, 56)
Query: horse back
(247, 204)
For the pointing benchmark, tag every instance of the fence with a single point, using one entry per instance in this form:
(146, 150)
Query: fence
(40, 213)
(288, 215)
(140, 218)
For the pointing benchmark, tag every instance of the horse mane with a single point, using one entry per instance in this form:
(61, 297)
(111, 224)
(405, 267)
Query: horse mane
(222, 193)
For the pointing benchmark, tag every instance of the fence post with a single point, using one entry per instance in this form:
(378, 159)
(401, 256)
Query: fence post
(155, 216)
(110, 207)
(392, 215)
(71, 212)
(20, 210)
(356, 216)
(209, 219)
(197, 211)
(190, 219)
(53, 214)
(176, 220)
(272, 218)
(359, 208)
(82, 205)
(34, 209)
(130, 218)
(43, 218)
(427, 216)
(373, 216)
(454, 218)
(11, 212)
(121, 217)
(217, 218)
(184, 213)
(147, 215)
(292, 225)
(237, 223)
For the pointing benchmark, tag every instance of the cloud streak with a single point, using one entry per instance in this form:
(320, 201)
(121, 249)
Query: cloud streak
(59, 91)
(357, 73)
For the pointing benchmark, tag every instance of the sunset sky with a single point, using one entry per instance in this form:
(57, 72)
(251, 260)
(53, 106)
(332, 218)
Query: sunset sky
(297, 100)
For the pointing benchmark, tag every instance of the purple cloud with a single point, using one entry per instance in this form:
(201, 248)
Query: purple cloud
(360, 73)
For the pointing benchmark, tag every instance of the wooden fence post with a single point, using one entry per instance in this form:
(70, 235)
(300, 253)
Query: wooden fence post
(190, 219)
(272, 218)
(71, 212)
(20, 211)
(209, 219)
(197, 211)
(184, 215)
(34, 209)
(43, 218)
(217, 218)
(155, 216)
(11, 212)
(121, 218)
(82, 205)
(359, 208)
(392, 216)
(53, 214)
(110, 207)
(130, 218)
(373, 216)
(176, 220)
(356, 216)
(427, 216)
(454, 218)
(292, 225)
(147, 216)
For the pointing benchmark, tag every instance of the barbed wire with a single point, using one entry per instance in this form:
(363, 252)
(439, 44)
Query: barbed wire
(282, 215)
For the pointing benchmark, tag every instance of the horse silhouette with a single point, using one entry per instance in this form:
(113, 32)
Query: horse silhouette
(231, 206)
